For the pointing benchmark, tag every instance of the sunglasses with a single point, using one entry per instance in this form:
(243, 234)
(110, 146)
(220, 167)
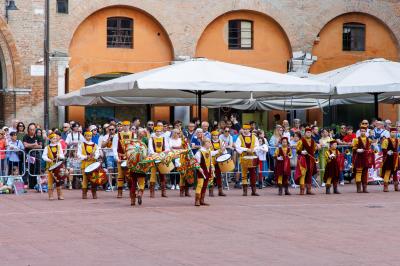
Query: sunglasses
(150, 125)
(364, 123)
(112, 129)
(226, 131)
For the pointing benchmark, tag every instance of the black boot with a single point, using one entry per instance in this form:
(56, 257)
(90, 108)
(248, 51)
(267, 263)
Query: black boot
(280, 191)
(287, 190)
(328, 189)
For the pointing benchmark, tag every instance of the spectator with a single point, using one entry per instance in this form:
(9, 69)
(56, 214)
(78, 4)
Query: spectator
(196, 140)
(20, 131)
(95, 134)
(348, 139)
(15, 156)
(74, 137)
(296, 138)
(253, 126)
(315, 134)
(296, 125)
(175, 143)
(107, 146)
(66, 130)
(235, 123)
(14, 124)
(189, 132)
(262, 157)
(205, 125)
(3, 147)
(136, 122)
(150, 126)
(342, 134)
(227, 139)
(6, 133)
(31, 142)
(276, 137)
(388, 124)
(380, 132)
(285, 124)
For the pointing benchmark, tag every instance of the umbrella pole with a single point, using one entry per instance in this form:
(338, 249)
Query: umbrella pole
(376, 105)
(199, 105)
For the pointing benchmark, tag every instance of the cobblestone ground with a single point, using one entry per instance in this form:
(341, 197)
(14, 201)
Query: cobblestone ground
(346, 229)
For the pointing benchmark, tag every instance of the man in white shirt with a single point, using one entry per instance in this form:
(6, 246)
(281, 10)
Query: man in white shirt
(74, 138)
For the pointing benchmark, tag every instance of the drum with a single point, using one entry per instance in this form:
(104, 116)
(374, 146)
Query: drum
(58, 171)
(249, 161)
(96, 174)
(225, 163)
(163, 168)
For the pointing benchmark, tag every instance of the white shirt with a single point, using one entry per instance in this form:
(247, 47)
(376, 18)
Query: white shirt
(262, 152)
(84, 157)
(74, 138)
(175, 143)
(107, 151)
(241, 149)
(60, 153)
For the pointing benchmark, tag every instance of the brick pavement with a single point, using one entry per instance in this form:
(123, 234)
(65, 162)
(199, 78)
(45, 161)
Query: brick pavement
(347, 229)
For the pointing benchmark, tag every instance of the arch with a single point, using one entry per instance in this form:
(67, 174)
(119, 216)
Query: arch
(271, 48)
(380, 41)
(11, 61)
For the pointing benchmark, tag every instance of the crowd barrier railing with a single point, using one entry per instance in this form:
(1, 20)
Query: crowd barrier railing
(12, 167)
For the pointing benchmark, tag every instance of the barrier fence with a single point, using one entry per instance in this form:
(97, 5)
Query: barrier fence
(32, 168)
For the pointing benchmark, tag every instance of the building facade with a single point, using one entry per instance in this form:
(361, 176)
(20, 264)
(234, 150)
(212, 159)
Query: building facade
(96, 40)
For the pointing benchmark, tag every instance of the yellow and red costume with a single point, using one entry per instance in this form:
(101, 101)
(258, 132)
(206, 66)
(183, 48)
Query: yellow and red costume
(157, 144)
(306, 163)
(390, 163)
(216, 146)
(246, 145)
(88, 153)
(204, 158)
(332, 168)
(51, 154)
(282, 171)
(362, 161)
(119, 142)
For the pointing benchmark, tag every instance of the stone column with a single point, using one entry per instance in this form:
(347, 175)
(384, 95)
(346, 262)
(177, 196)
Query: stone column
(61, 65)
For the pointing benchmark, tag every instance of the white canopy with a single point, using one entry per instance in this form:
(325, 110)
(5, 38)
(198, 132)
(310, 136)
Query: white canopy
(213, 79)
(375, 76)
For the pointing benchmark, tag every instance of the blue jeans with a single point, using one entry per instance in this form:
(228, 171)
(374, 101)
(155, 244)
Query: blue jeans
(110, 162)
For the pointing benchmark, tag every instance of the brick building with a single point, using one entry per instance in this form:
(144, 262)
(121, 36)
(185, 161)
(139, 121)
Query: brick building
(100, 39)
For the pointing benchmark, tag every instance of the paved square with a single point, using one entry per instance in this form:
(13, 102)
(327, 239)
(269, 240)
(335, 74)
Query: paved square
(346, 229)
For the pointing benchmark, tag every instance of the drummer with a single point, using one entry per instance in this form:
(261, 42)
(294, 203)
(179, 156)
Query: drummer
(138, 177)
(246, 145)
(51, 154)
(88, 153)
(157, 144)
(217, 145)
(119, 140)
(204, 158)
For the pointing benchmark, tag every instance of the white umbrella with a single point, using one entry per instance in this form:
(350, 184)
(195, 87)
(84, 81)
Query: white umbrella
(376, 76)
(211, 79)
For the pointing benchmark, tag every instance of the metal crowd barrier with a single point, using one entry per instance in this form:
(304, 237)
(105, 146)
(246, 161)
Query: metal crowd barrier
(36, 167)
(12, 167)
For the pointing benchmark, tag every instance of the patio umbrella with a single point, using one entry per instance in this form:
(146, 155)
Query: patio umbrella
(378, 77)
(206, 78)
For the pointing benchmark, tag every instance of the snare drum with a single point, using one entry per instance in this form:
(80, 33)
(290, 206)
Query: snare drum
(225, 163)
(58, 171)
(163, 168)
(249, 161)
(96, 174)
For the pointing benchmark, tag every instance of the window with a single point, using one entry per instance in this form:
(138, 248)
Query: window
(119, 32)
(62, 6)
(353, 37)
(240, 34)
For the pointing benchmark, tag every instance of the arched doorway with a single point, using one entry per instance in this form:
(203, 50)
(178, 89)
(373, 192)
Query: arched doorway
(115, 39)
(345, 40)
